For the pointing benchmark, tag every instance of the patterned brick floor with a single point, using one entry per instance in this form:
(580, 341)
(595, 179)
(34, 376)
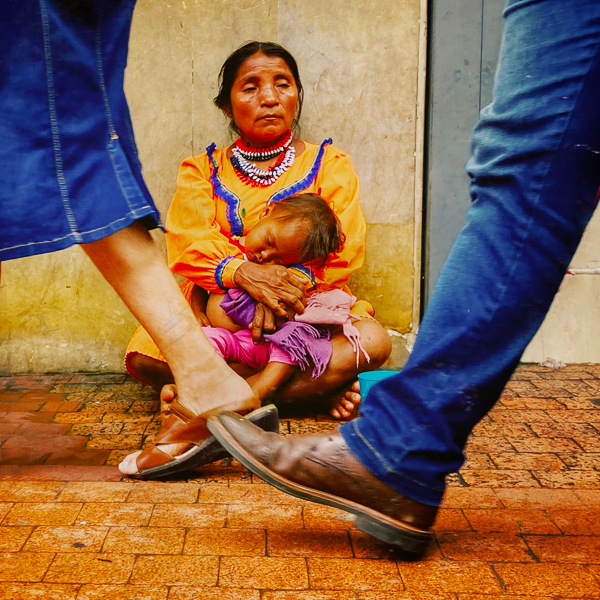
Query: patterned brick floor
(521, 520)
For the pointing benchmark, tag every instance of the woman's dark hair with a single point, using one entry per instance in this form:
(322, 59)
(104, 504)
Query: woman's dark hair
(234, 61)
(325, 234)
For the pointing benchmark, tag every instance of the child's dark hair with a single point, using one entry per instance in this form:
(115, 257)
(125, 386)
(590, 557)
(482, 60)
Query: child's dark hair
(325, 234)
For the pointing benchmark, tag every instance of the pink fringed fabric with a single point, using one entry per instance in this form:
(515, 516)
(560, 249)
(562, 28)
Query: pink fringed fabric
(333, 308)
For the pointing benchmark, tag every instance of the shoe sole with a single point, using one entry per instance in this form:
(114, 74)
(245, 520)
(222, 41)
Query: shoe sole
(209, 451)
(409, 539)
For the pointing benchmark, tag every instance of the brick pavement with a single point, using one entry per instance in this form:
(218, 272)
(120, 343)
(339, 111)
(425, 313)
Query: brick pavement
(521, 520)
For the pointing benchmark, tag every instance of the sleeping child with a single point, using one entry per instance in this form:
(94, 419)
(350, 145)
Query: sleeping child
(300, 230)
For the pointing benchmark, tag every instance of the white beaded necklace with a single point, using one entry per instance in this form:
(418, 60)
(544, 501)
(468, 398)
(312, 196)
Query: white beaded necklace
(249, 173)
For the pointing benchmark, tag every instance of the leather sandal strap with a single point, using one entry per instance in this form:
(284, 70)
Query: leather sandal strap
(185, 415)
(176, 431)
(177, 409)
(152, 457)
(179, 425)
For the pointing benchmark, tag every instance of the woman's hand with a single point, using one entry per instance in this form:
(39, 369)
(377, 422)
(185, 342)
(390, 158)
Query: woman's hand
(274, 286)
(265, 321)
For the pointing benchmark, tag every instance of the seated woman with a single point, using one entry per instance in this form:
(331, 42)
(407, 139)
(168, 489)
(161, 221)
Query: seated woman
(222, 193)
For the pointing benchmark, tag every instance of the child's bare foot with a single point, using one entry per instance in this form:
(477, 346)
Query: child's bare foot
(344, 404)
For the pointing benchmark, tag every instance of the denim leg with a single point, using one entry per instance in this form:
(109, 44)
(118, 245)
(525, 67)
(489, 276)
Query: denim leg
(535, 171)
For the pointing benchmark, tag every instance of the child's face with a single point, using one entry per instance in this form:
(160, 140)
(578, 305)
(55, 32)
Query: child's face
(274, 241)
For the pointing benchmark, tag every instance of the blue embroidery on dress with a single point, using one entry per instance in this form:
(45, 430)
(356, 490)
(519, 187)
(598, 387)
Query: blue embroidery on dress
(303, 183)
(231, 199)
(233, 202)
(305, 270)
(219, 272)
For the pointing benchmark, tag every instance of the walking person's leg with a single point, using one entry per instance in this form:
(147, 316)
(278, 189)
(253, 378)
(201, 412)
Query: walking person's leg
(535, 171)
(71, 175)
(133, 265)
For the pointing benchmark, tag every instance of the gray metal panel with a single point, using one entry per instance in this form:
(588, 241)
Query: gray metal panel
(455, 54)
(491, 38)
(464, 37)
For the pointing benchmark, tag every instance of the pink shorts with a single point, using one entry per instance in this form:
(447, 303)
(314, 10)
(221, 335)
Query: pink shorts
(238, 347)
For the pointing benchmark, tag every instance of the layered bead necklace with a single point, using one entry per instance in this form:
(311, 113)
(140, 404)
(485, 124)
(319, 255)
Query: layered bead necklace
(249, 173)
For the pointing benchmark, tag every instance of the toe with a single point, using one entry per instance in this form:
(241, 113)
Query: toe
(351, 398)
(128, 465)
(335, 413)
(348, 405)
(168, 393)
(356, 399)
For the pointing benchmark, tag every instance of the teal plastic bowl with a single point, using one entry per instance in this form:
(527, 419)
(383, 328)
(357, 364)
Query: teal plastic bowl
(370, 378)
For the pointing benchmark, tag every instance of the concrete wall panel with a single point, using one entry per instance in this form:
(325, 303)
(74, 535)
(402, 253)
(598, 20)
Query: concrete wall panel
(360, 65)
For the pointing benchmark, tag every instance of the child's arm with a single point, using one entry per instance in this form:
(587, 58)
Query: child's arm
(273, 376)
(198, 302)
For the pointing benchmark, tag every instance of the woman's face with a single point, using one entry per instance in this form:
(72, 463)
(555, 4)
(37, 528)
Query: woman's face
(264, 97)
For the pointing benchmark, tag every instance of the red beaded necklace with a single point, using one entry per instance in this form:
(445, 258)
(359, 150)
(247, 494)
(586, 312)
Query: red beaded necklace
(261, 154)
(244, 156)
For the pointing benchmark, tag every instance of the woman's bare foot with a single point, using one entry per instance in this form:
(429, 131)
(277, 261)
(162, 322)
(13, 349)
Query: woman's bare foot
(344, 404)
(128, 465)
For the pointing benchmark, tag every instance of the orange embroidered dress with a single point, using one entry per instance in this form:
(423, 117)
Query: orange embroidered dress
(212, 208)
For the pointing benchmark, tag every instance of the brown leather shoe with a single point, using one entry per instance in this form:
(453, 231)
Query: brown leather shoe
(320, 468)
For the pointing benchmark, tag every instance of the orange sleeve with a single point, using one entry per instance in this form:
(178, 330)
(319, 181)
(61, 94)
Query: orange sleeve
(338, 184)
(196, 247)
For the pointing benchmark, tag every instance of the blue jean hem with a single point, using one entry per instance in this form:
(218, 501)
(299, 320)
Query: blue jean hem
(365, 455)
(75, 238)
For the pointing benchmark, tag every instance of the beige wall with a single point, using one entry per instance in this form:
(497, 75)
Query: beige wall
(571, 331)
(362, 67)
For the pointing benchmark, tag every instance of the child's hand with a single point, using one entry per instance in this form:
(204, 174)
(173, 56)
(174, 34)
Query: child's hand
(202, 319)
(198, 302)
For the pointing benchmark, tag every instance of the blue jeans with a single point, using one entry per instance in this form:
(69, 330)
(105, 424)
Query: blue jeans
(535, 172)
(69, 166)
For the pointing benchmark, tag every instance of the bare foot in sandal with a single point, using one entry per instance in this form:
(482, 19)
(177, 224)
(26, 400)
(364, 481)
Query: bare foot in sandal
(184, 442)
(344, 404)
(128, 465)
